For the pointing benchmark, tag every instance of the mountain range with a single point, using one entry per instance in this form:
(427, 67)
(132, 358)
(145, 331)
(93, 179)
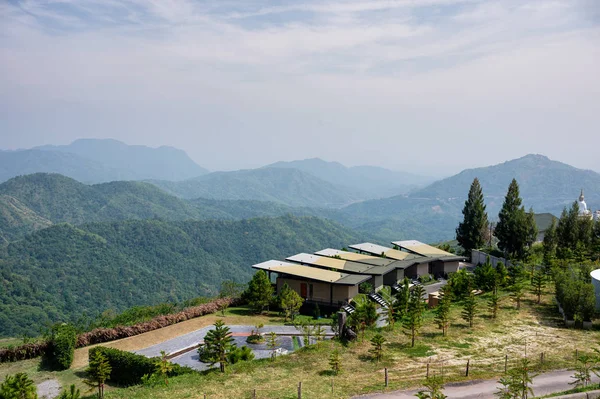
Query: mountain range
(97, 161)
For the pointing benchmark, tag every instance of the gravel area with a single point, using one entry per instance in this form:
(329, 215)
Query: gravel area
(49, 389)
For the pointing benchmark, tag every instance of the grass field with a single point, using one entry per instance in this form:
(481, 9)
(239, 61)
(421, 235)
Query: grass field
(532, 330)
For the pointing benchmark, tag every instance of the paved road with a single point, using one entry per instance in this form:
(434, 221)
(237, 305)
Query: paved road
(544, 384)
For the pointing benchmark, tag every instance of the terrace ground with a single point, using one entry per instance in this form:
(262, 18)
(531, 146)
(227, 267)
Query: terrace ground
(533, 330)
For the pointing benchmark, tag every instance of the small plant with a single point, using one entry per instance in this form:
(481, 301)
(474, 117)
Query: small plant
(469, 309)
(365, 288)
(272, 344)
(377, 346)
(586, 365)
(433, 389)
(164, 367)
(72, 393)
(493, 304)
(18, 386)
(255, 336)
(335, 362)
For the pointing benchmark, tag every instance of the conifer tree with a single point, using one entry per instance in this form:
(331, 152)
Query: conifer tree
(98, 373)
(471, 232)
(538, 283)
(18, 386)
(290, 301)
(377, 346)
(515, 228)
(402, 298)
(442, 313)
(549, 245)
(414, 314)
(469, 309)
(259, 292)
(218, 343)
(335, 362)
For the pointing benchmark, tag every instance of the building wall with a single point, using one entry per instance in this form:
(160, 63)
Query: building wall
(378, 282)
(321, 292)
(419, 269)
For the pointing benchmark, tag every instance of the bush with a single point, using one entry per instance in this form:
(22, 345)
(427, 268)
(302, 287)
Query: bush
(129, 368)
(240, 354)
(62, 346)
(425, 278)
(23, 352)
(365, 288)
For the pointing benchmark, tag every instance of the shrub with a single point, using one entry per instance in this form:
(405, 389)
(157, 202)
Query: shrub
(240, 354)
(27, 351)
(62, 346)
(129, 368)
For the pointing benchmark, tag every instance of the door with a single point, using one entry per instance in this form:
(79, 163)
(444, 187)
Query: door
(303, 290)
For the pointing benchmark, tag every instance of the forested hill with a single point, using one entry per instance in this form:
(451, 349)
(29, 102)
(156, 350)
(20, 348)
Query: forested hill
(32, 202)
(544, 184)
(63, 272)
(291, 187)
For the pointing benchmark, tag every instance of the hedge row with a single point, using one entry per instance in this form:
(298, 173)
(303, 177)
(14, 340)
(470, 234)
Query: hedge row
(62, 346)
(101, 335)
(129, 368)
(23, 352)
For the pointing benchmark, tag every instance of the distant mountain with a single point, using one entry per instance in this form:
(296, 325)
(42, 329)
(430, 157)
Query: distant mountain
(546, 185)
(370, 181)
(291, 187)
(66, 273)
(96, 161)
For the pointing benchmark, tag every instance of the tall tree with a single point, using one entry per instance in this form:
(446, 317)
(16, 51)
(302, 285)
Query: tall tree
(402, 298)
(566, 232)
(414, 314)
(515, 227)
(219, 343)
(538, 283)
(259, 292)
(471, 232)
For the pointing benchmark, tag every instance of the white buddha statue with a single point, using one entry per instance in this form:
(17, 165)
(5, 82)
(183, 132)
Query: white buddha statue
(583, 211)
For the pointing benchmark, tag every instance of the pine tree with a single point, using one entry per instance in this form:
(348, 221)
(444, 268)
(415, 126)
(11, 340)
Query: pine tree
(471, 232)
(272, 343)
(549, 245)
(493, 303)
(515, 227)
(98, 373)
(18, 386)
(414, 314)
(538, 283)
(566, 232)
(218, 342)
(402, 298)
(442, 313)
(335, 362)
(72, 393)
(259, 292)
(516, 290)
(290, 301)
(469, 309)
(377, 346)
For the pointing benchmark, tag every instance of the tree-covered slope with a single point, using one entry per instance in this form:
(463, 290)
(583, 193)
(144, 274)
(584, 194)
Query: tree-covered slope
(282, 185)
(544, 184)
(63, 272)
(370, 181)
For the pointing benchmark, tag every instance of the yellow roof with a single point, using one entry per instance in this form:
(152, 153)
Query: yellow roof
(312, 273)
(381, 250)
(421, 249)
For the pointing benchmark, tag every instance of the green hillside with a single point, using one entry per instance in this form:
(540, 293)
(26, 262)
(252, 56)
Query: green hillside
(287, 186)
(64, 272)
(545, 185)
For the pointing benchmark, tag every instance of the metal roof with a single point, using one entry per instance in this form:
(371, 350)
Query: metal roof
(422, 249)
(311, 273)
(356, 257)
(381, 250)
(340, 264)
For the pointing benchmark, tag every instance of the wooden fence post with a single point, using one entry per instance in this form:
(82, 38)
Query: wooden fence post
(254, 394)
(442, 371)
(427, 375)
(332, 385)
(576, 354)
(386, 377)
(505, 363)
(300, 390)
(467, 372)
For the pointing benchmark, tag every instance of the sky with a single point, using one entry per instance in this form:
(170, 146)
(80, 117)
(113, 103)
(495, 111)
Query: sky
(426, 86)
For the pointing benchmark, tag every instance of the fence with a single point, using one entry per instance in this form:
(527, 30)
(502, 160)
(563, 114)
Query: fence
(449, 370)
(478, 257)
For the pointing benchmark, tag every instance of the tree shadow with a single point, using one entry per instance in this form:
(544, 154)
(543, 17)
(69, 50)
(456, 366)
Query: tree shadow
(327, 373)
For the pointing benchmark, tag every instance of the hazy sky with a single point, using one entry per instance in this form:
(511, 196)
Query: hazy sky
(430, 86)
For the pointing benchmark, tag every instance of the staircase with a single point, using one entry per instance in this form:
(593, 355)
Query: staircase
(396, 287)
(348, 309)
(375, 297)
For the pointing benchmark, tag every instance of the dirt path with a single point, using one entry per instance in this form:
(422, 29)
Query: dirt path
(544, 384)
(49, 389)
